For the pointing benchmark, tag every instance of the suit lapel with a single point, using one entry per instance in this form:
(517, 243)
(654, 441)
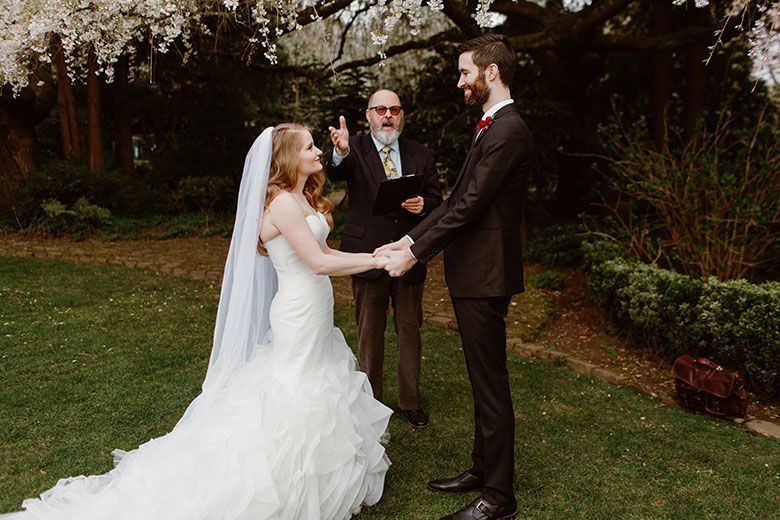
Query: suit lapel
(371, 156)
(408, 159)
(463, 168)
(475, 142)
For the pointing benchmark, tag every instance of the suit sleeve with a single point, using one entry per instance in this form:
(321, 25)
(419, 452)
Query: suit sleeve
(503, 157)
(431, 190)
(346, 168)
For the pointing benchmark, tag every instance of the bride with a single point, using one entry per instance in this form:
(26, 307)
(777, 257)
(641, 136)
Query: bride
(285, 427)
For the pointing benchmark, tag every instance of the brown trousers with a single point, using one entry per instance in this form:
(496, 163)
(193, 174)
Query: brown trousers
(371, 299)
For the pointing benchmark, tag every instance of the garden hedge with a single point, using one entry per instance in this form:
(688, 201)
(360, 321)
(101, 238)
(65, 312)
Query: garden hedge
(734, 323)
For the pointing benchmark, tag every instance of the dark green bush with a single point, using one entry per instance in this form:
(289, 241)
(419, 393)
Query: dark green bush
(735, 323)
(205, 194)
(556, 245)
(80, 219)
(547, 280)
(67, 182)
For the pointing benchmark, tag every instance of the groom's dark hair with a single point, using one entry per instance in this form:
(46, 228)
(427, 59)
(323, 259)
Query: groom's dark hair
(492, 48)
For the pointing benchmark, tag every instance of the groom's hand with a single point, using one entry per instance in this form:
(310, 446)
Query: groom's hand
(398, 245)
(399, 262)
(340, 136)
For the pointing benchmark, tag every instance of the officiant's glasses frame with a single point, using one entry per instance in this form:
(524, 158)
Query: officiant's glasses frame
(381, 110)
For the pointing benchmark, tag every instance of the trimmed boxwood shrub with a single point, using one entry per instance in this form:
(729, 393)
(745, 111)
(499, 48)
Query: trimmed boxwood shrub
(735, 323)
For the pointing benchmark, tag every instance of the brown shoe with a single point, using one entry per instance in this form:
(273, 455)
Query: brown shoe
(416, 418)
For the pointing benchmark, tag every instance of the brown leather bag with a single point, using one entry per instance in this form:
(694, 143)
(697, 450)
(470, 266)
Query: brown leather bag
(705, 386)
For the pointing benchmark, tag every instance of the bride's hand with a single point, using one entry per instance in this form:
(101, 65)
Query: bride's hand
(380, 262)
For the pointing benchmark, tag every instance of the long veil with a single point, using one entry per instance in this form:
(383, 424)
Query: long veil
(249, 282)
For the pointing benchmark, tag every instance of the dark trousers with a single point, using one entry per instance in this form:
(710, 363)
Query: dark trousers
(483, 334)
(371, 299)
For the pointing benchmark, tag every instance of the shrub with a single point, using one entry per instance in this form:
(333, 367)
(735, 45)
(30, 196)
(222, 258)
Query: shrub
(707, 206)
(547, 280)
(81, 219)
(556, 245)
(735, 323)
(204, 194)
(67, 182)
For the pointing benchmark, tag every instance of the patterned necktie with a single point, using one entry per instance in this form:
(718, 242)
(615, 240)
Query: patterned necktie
(388, 163)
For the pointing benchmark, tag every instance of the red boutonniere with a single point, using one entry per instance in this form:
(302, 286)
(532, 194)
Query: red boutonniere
(484, 124)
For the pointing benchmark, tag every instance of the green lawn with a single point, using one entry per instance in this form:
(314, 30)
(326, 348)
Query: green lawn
(96, 357)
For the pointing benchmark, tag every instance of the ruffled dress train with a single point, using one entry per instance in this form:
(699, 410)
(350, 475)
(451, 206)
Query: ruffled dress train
(295, 433)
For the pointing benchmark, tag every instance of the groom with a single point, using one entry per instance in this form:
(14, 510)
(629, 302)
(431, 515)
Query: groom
(478, 228)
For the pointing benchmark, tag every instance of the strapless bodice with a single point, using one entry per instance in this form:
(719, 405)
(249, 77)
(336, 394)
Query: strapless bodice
(286, 261)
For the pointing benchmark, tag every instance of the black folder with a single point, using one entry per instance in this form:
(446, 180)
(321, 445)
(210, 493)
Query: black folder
(393, 192)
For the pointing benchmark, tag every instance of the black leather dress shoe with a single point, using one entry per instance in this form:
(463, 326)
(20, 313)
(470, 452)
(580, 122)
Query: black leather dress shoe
(463, 483)
(481, 509)
(416, 418)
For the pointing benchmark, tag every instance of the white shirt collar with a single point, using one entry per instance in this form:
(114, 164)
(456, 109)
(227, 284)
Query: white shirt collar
(495, 108)
(379, 145)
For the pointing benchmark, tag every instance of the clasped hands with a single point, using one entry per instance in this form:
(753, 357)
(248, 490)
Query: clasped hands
(399, 257)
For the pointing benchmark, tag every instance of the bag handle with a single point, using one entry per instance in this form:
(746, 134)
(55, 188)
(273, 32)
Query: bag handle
(706, 362)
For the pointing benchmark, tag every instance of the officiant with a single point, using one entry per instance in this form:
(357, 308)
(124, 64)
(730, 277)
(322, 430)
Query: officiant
(365, 162)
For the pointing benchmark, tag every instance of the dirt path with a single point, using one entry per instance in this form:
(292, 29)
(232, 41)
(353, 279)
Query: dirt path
(578, 333)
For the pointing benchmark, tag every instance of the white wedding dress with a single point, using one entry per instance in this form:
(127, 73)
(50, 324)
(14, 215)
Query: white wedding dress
(294, 434)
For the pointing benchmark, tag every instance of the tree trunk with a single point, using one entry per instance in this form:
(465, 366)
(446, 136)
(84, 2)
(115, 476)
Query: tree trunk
(565, 78)
(124, 118)
(18, 151)
(69, 126)
(696, 84)
(94, 114)
(661, 85)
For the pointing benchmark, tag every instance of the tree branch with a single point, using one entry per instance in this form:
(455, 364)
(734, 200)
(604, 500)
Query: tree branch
(669, 41)
(444, 36)
(522, 9)
(533, 41)
(346, 30)
(596, 14)
(312, 13)
(459, 13)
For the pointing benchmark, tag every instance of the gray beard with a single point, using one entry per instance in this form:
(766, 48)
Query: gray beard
(384, 137)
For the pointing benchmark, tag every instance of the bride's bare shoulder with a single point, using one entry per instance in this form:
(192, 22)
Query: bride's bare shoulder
(284, 205)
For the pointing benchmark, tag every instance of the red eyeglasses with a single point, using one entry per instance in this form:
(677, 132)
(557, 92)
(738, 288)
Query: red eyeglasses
(382, 110)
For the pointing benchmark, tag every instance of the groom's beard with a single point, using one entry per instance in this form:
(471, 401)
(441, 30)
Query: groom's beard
(385, 135)
(477, 93)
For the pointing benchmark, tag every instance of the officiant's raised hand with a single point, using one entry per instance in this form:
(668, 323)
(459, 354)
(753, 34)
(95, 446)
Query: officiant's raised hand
(340, 136)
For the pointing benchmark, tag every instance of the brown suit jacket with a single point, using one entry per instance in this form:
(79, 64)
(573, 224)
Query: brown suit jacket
(479, 225)
(362, 169)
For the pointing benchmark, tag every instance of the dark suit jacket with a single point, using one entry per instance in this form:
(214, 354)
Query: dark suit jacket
(363, 171)
(479, 225)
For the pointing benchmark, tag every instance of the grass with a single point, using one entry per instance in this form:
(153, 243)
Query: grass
(96, 357)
